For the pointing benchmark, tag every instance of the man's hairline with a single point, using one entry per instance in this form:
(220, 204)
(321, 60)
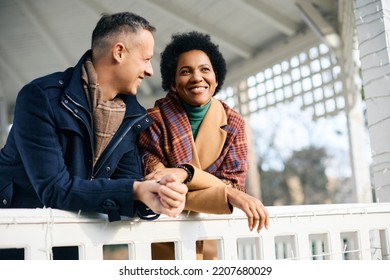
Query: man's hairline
(116, 39)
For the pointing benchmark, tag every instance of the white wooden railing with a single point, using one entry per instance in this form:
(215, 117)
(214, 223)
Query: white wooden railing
(334, 231)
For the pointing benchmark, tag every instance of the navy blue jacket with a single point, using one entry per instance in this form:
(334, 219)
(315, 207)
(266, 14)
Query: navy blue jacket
(48, 156)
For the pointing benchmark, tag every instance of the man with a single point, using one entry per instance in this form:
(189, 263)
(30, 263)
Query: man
(73, 146)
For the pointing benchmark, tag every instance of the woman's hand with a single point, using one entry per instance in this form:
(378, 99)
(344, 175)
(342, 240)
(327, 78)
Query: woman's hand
(158, 174)
(254, 209)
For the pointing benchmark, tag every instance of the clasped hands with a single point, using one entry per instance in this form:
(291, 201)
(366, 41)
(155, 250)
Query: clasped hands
(166, 195)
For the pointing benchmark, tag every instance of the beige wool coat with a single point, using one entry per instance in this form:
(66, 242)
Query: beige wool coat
(207, 193)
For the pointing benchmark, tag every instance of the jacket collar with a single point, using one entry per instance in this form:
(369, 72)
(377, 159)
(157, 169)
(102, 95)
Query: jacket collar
(75, 91)
(211, 136)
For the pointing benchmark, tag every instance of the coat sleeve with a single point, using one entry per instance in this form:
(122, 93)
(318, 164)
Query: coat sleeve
(207, 194)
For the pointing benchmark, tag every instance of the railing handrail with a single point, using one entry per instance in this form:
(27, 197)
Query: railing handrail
(37, 215)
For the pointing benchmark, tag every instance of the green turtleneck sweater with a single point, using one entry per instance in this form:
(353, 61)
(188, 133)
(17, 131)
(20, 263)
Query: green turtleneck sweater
(195, 115)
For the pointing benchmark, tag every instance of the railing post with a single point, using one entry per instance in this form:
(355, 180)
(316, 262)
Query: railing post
(91, 252)
(185, 250)
(36, 242)
(364, 238)
(36, 252)
(142, 251)
(229, 249)
(304, 250)
(268, 248)
(335, 246)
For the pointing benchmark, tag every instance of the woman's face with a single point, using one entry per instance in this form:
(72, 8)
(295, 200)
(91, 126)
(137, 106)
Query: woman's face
(195, 80)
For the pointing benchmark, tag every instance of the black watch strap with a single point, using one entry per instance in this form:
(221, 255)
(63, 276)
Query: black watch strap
(190, 171)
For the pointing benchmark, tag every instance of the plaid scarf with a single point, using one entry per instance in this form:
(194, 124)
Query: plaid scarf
(107, 115)
(169, 141)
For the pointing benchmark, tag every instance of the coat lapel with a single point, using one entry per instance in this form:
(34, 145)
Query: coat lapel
(211, 137)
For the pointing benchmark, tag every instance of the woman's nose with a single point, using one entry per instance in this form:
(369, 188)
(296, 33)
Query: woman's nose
(197, 76)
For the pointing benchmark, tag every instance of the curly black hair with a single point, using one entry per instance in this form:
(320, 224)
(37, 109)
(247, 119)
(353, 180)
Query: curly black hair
(185, 42)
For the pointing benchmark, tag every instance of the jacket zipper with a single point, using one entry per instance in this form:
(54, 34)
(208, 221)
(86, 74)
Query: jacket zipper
(92, 144)
(106, 154)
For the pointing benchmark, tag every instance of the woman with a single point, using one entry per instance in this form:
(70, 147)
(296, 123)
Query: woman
(197, 137)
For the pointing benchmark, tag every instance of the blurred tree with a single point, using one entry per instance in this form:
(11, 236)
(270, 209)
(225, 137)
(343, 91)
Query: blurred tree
(305, 176)
(274, 190)
(303, 180)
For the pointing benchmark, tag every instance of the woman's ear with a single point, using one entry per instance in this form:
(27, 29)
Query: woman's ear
(173, 88)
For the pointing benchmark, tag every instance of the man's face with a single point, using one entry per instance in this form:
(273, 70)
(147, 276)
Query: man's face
(137, 62)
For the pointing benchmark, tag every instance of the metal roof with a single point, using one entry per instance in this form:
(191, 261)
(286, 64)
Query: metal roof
(43, 36)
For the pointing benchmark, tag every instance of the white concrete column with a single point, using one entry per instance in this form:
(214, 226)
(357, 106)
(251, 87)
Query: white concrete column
(253, 176)
(350, 64)
(372, 19)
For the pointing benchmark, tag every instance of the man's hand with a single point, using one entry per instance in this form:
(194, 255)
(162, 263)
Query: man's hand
(254, 209)
(172, 195)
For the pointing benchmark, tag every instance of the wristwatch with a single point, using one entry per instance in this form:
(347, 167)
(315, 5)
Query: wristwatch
(190, 172)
